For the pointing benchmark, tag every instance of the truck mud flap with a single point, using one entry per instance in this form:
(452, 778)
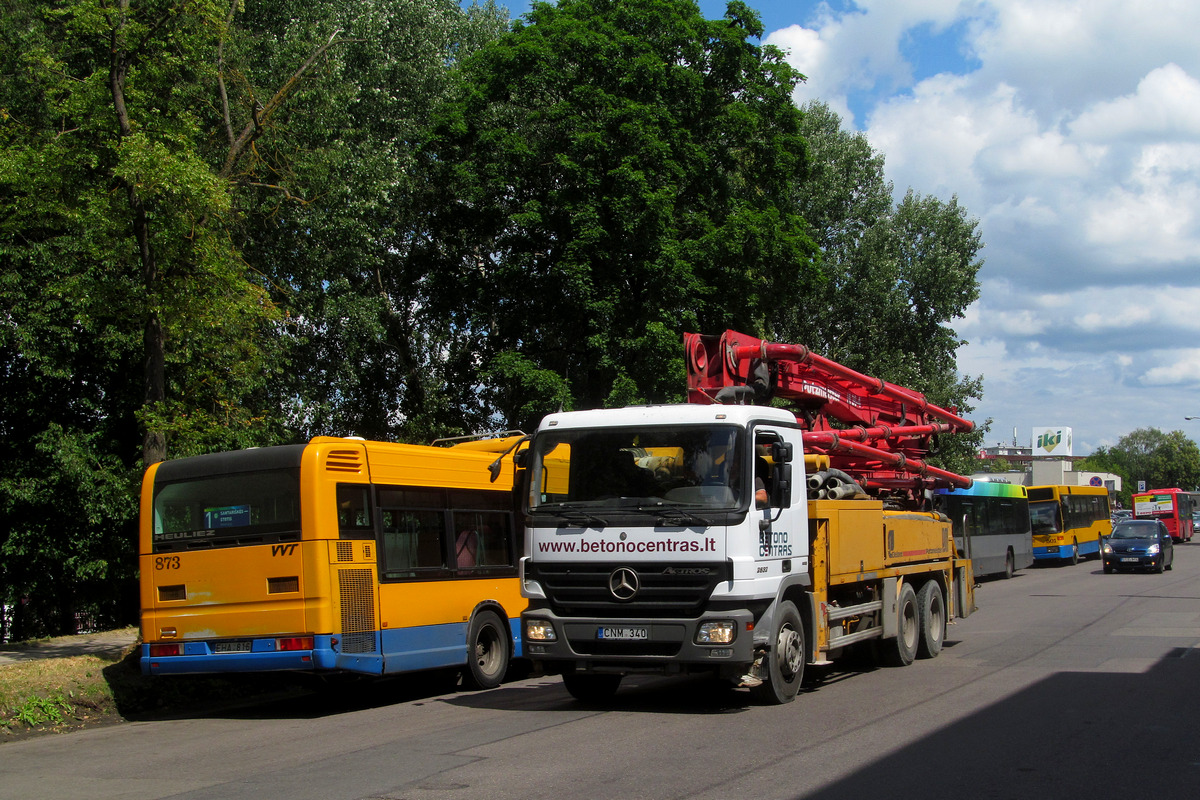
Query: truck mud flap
(964, 590)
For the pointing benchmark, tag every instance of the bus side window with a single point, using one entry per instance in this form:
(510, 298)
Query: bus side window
(482, 539)
(412, 540)
(354, 511)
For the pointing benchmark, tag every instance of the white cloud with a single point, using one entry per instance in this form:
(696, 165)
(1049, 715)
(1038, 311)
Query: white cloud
(1126, 307)
(1151, 216)
(1075, 140)
(1183, 369)
(859, 49)
(1166, 103)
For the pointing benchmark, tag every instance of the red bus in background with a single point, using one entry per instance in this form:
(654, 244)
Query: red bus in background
(1173, 506)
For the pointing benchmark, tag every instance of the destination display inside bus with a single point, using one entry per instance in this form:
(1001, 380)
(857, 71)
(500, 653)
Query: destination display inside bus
(227, 517)
(1147, 504)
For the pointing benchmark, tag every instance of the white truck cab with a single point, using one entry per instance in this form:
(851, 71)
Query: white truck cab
(659, 539)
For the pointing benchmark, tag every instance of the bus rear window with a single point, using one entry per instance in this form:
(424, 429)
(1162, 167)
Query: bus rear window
(227, 510)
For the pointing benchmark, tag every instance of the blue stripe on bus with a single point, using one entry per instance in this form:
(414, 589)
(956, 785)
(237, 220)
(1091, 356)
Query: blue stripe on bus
(424, 647)
(433, 646)
(400, 650)
(198, 657)
(515, 626)
(1063, 551)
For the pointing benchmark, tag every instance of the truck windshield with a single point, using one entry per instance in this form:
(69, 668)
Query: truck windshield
(639, 469)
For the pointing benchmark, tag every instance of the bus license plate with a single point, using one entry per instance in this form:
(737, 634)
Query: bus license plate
(231, 647)
(623, 634)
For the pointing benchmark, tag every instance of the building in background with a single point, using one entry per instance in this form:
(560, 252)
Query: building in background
(1048, 460)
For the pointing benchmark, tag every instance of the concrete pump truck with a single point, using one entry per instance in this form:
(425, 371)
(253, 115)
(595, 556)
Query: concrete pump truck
(734, 537)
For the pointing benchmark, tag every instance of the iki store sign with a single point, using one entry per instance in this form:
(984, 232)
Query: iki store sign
(1052, 442)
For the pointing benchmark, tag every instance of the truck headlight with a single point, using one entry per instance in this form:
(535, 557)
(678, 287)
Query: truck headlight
(716, 632)
(537, 630)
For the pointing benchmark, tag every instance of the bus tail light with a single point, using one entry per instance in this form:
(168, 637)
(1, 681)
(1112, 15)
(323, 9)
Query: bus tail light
(161, 650)
(294, 643)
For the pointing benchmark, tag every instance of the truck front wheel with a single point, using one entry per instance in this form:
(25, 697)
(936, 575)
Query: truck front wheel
(785, 662)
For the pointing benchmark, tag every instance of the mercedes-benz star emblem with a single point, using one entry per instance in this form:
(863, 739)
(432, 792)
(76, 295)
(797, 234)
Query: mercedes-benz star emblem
(623, 583)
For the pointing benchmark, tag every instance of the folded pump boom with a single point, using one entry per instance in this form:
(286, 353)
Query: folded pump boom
(877, 432)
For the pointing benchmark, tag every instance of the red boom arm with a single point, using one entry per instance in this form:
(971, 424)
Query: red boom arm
(876, 431)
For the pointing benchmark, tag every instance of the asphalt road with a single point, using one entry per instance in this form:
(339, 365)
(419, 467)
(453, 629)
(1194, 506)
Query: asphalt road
(1067, 683)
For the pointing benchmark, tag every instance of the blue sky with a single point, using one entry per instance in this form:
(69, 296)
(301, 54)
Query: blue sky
(1071, 131)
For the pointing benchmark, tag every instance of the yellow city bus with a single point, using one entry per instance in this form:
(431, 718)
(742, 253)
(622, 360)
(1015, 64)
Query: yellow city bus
(336, 555)
(1068, 521)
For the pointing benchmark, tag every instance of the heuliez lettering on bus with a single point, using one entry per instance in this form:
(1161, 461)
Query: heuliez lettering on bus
(166, 537)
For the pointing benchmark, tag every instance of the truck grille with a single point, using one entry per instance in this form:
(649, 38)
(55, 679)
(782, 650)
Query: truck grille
(664, 590)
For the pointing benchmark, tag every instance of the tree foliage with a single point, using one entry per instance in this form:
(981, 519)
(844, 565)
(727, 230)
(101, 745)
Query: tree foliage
(369, 354)
(1162, 460)
(228, 223)
(896, 275)
(611, 175)
(148, 150)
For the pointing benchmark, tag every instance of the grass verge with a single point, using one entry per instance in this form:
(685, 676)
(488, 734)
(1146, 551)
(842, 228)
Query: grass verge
(68, 693)
(56, 694)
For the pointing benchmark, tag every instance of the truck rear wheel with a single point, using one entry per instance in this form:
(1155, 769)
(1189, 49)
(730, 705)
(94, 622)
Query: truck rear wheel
(931, 612)
(587, 687)
(785, 662)
(908, 631)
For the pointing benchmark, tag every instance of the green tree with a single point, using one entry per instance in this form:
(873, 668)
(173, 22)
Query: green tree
(154, 158)
(896, 275)
(370, 356)
(611, 175)
(1104, 460)
(1162, 460)
(995, 465)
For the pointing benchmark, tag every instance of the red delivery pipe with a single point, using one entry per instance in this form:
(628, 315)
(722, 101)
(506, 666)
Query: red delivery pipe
(877, 386)
(827, 440)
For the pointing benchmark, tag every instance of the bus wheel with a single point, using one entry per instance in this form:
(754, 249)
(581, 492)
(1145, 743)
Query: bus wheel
(931, 611)
(488, 651)
(1074, 552)
(588, 687)
(785, 661)
(1010, 565)
(908, 631)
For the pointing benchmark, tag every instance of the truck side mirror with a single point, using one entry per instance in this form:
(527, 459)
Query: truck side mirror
(781, 489)
(781, 452)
